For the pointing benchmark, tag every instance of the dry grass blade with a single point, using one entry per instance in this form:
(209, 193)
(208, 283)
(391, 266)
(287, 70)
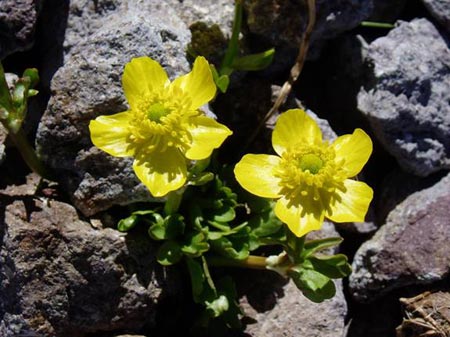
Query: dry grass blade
(295, 70)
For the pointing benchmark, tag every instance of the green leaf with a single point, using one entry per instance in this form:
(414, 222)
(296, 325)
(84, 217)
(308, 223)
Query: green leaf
(218, 306)
(32, 92)
(222, 83)
(33, 75)
(195, 244)
(20, 102)
(334, 266)
(200, 165)
(144, 212)
(197, 278)
(172, 226)
(224, 214)
(222, 226)
(265, 224)
(225, 230)
(4, 114)
(5, 96)
(203, 288)
(314, 285)
(227, 287)
(20, 92)
(235, 247)
(126, 224)
(201, 179)
(169, 253)
(313, 246)
(254, 62)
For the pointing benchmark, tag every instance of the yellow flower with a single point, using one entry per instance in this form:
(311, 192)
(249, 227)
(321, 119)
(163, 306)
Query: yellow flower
(309, 177)
(163, 126)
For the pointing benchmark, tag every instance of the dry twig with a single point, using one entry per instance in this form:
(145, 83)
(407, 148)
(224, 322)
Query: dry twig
(295, 70)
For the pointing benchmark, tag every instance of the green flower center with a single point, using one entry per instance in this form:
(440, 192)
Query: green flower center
(310, 173)
(310, 162)
(156, 111)
(161, 121)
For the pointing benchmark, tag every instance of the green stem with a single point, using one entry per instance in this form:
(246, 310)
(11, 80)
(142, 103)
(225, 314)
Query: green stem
(28, 153)
(173, 202)
(252, 262)
(373, 24)
(295, 246)
(233, 44)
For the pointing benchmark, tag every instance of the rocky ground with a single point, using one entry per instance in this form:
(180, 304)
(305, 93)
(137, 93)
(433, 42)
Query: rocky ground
(65, 270)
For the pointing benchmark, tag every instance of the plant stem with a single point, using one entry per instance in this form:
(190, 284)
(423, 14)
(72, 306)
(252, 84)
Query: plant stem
(373, 24)
(173, 202)
(28, 153)
(252, 262)
(233, 44)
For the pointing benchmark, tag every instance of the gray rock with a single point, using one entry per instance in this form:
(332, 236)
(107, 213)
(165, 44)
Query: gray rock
(88, 85)
(220, 12)
(440, 10)
(293, 314)
(3, 135)
(407, 96)
(282, 22)
(28, 189)
(86, 18)
(410, 249)
(61, 277)
(18, 23)
(277, 308)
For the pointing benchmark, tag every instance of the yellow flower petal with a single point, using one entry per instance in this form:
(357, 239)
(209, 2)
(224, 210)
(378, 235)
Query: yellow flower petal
(300, 218)
(142, 75)
(351, 205)
(293, 127)
(355, 149)
(198, 84)
(256, 173)
(162, 172)
(110, 134)
(207, 135)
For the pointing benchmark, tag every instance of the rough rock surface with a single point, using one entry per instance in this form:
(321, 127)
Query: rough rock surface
(440, 10)
(407, 96)
(61, 277)
(211, 12)
(3, 135)
(88, 85)
(410, 249)
(277, 308)
(18, 23)
(282, 22)
(293, 314)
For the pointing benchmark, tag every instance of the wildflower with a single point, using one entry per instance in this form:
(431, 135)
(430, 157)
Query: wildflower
(164, 126)
(309, 177)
